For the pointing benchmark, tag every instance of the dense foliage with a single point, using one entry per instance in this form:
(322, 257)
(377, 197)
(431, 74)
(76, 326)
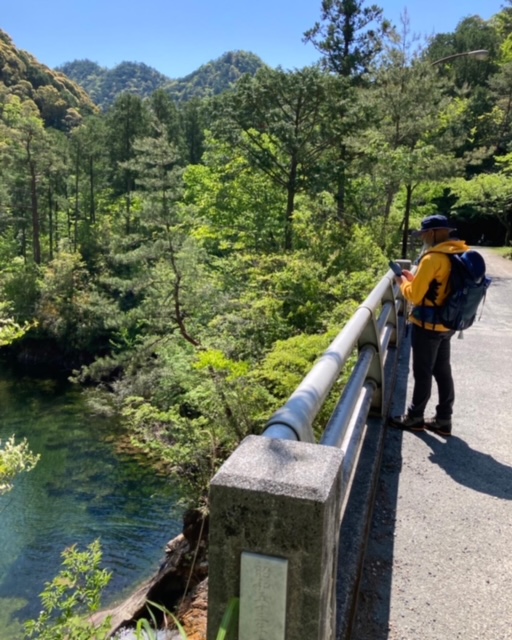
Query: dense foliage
(191, 259)
(72, 597)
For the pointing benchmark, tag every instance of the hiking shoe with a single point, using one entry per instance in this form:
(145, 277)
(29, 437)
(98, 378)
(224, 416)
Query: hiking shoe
(408, 423)
(439, 426)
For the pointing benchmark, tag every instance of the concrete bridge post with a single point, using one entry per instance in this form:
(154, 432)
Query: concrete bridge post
(275, 508)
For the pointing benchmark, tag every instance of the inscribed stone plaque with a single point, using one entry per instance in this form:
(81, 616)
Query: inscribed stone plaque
(263, 582)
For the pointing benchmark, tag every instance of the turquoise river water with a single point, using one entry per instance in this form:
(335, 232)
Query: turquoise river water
(83, 488)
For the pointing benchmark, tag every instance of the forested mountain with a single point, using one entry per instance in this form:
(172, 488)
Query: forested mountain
(105, 85)
(61, 102)
(216, 76)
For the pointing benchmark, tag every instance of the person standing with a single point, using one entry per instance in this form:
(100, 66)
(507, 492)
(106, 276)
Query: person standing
(427, 290)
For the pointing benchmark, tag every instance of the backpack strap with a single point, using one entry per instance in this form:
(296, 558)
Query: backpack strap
(454, 258)
(487, 284)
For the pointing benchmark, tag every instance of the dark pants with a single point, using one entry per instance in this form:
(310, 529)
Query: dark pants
(431, 359)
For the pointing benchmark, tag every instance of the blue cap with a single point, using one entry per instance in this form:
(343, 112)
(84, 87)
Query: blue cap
(433, 222)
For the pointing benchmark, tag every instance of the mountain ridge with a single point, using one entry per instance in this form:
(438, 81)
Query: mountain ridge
(68, 93)
(104, 84)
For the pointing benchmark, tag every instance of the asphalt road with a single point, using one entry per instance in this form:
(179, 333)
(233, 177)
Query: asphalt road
(439, 558)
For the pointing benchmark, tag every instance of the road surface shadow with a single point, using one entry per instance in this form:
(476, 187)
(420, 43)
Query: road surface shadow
(470, 468)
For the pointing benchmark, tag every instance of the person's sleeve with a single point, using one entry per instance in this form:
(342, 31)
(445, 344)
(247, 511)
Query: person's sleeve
(416, 290)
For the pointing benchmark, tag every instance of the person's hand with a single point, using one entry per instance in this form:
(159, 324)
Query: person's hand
(398, 280)
(407, 275)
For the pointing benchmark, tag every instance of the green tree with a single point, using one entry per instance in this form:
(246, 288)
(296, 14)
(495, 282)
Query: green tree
(492, 133)
(412, 140)
(472, 33)
(167, 114)
(126, 121)
(278, 119)
(53, 186)
(236, 207)
(90, 166)
(467, 82)
(70, 308)
(193, 125)
(349, 37)
(487, 195)
(26, 144)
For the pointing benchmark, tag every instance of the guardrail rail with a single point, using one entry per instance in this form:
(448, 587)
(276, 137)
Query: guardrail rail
(278, 504)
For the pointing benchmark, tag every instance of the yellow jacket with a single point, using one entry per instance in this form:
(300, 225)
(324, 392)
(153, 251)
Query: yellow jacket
(429, 288)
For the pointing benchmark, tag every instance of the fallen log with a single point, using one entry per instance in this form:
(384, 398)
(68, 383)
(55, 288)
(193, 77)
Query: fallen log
(174, 586)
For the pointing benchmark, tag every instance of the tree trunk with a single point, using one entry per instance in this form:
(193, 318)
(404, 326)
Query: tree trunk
(68, 221)
(36, 239)
(56, 225)
(24, 244)
(127, 200)
(391, 191)
(341, 186)
(390, 194)
(92, 208)
(407, 213)
(75, 225)
(50, 221)
(290, 205)
(507, 234)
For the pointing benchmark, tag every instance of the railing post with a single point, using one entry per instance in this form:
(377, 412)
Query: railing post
(274, 524)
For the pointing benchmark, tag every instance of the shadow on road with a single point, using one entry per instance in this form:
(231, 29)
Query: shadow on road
(470, 468)
(473, 469)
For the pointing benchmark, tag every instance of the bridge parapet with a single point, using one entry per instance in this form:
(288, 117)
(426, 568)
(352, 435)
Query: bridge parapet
(277, 505)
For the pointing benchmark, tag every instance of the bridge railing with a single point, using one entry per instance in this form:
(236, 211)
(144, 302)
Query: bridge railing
(277, 504)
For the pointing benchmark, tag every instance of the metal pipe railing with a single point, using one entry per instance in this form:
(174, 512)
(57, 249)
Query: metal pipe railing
(304, 404)
(337, 425)
(295, 419)
(270, 490)
(352, 437)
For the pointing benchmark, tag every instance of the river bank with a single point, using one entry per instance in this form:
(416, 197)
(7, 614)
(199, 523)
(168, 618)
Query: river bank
(180, 585)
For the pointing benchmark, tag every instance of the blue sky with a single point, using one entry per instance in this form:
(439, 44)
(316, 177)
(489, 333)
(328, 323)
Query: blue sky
(177, 36)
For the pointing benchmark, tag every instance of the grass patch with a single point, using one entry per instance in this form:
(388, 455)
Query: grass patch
(505, 252)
